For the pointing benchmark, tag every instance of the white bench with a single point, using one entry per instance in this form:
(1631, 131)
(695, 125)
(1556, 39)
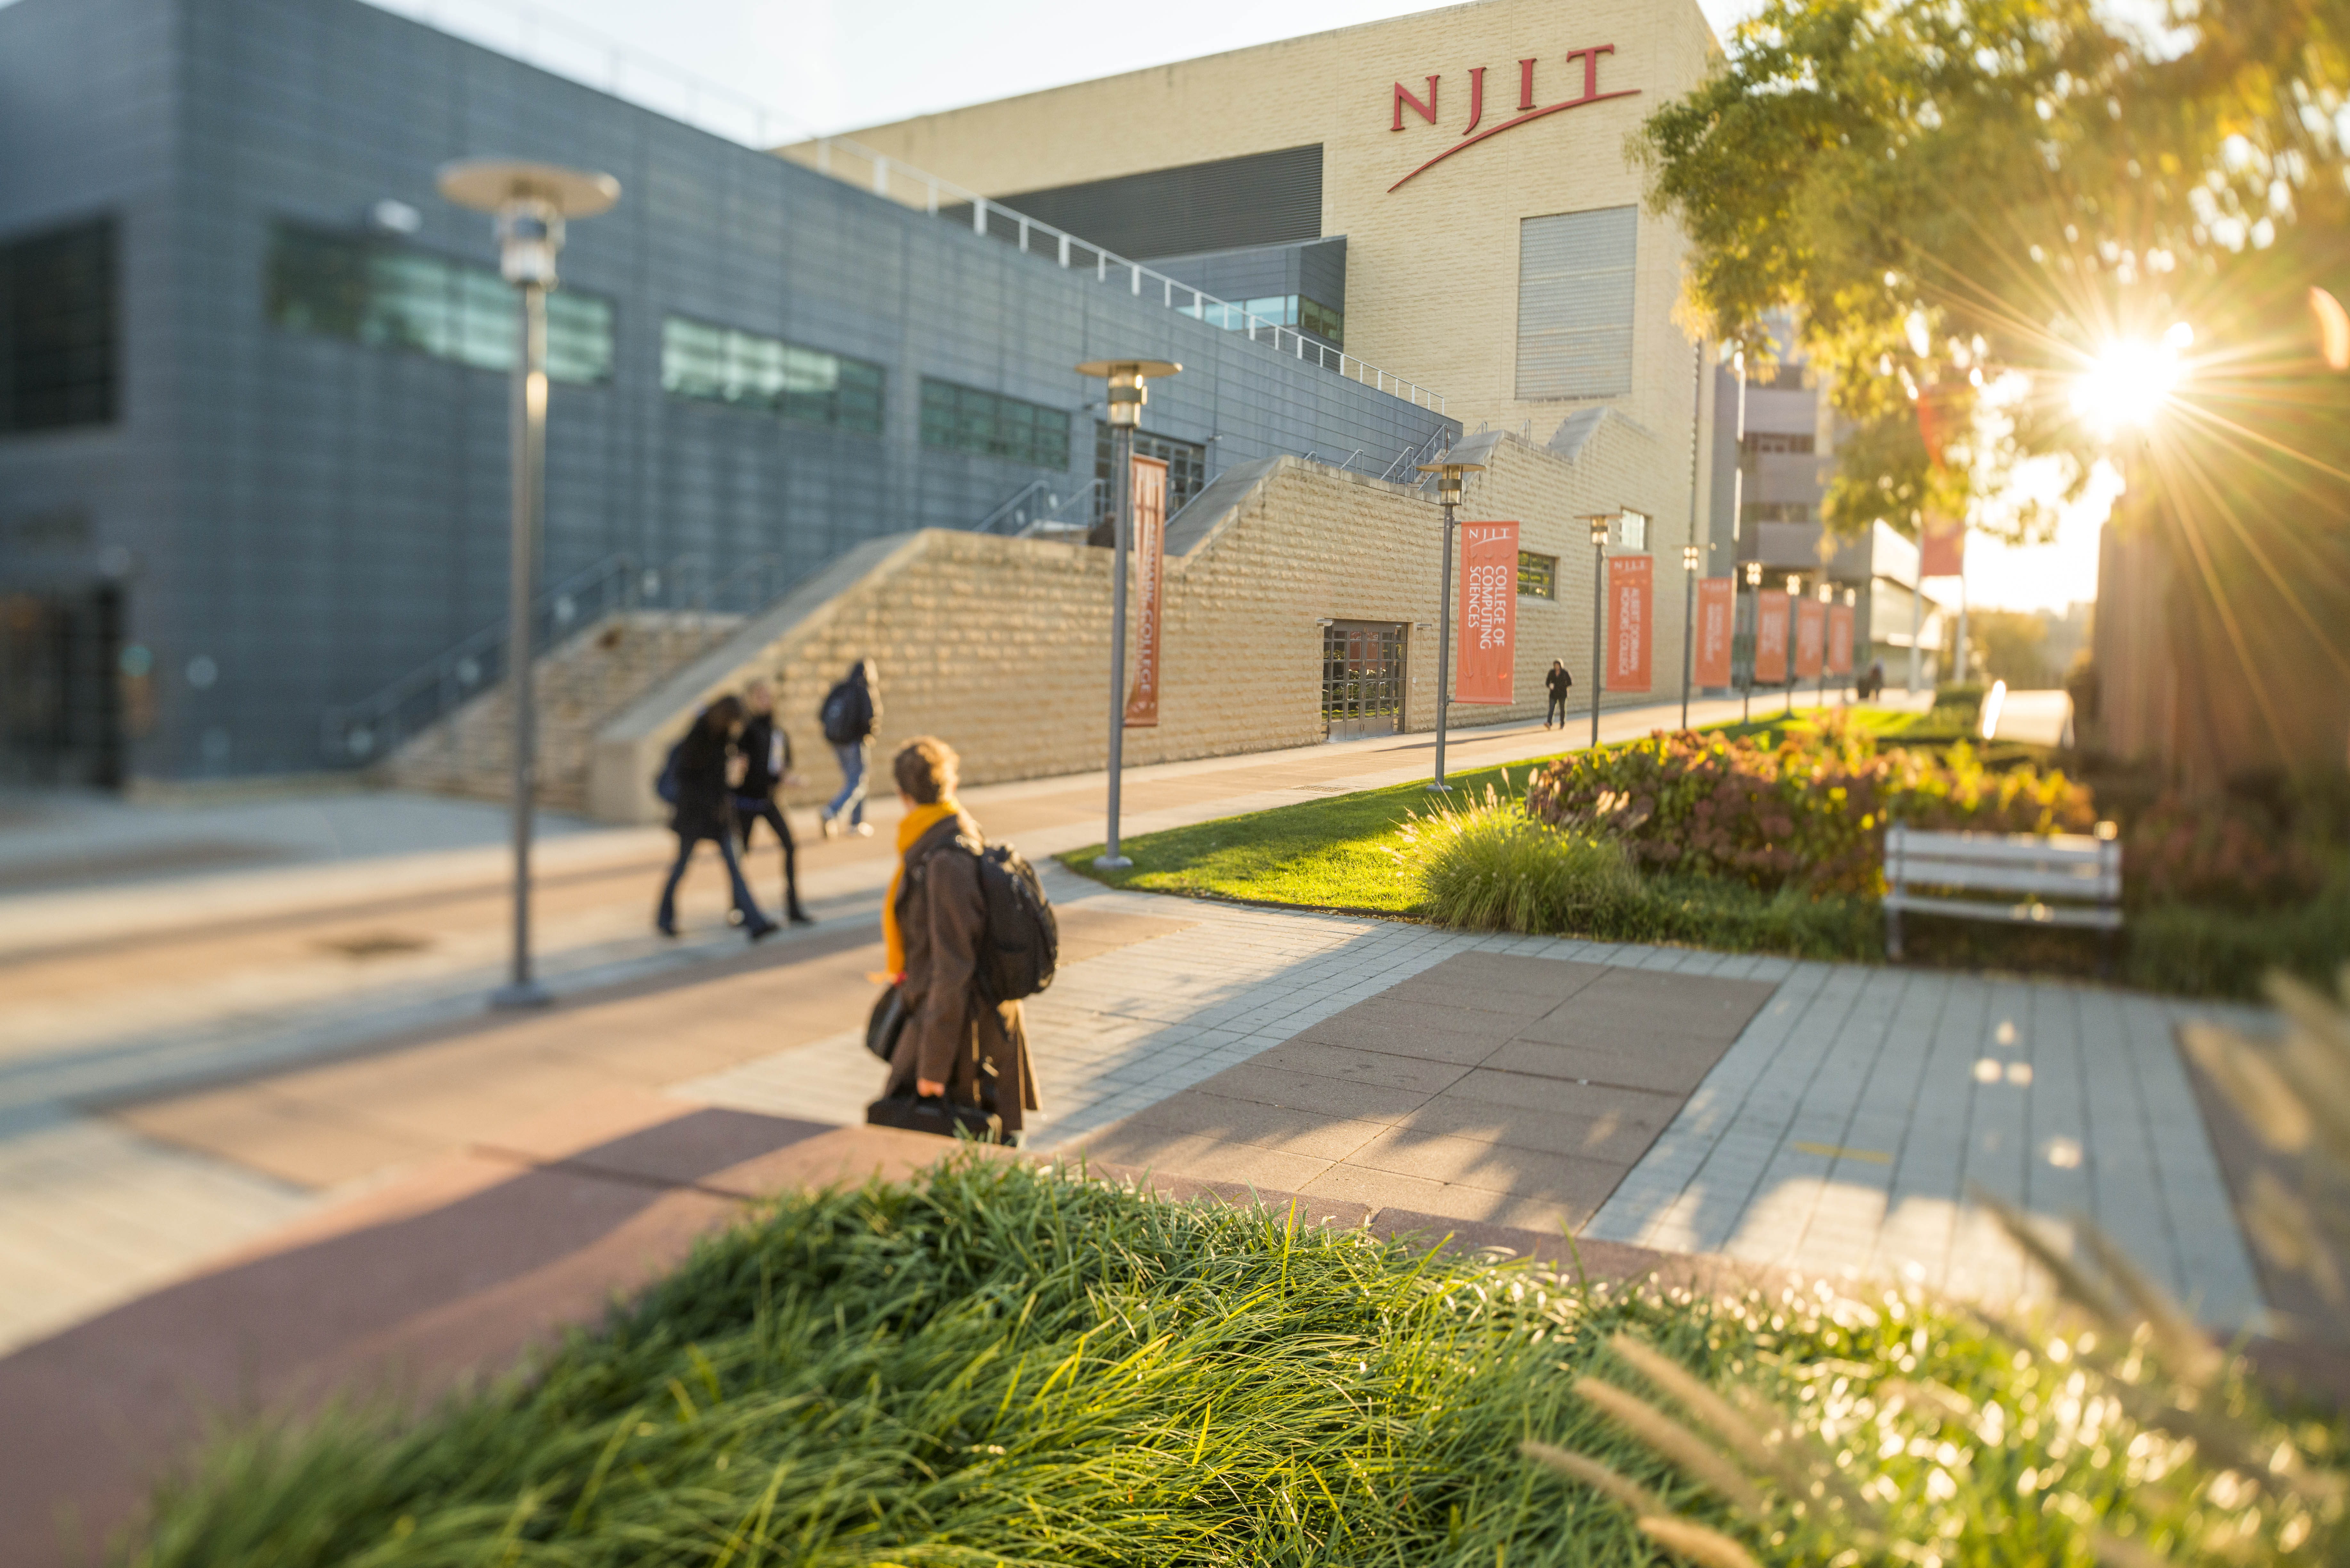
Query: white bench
(2082, 870)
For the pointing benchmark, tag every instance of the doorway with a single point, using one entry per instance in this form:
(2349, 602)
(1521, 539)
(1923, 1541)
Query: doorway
(1362, 680)
(60, 700)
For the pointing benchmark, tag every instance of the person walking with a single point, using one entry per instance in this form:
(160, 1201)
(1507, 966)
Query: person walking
(956, 1041)
(851, 711)
(1559, 682)
(705, 769)
(766, 752)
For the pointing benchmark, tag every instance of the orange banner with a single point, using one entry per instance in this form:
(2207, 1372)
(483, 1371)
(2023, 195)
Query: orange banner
(1770, 637)
(1488, 656)
(1631, 605)
(1149, 588)
(1942, 548)
(1717, 617)
(1839, 640)
(1810, 636)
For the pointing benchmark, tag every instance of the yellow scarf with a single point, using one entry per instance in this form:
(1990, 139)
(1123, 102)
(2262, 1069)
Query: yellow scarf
(918, 822)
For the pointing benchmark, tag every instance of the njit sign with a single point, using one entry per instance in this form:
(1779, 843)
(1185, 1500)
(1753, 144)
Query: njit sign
(1469, 135)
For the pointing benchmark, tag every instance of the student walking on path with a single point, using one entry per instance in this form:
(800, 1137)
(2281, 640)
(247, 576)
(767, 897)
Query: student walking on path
(705, 769)
(766, 752)
(1559, 683)
(956, 1041)
(851, 712)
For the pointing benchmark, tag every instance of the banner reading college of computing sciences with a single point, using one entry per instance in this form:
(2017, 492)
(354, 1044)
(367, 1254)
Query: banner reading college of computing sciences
(1811, 637)
(1717, 609)
(1839, 640)
(1770, 637)
(1150, 594)
(1631, 600)
(1488, 656)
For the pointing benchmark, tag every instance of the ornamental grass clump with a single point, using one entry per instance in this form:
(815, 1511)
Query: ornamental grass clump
(1488, 866)
(1809, 813)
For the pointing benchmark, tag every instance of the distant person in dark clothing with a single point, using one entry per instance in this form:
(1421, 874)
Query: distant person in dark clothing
(707, 770)
(851, 712)
(1559, 683)
(934, 925)
(766, 752)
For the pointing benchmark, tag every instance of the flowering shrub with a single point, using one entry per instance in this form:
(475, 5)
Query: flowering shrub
(1811, 813)
(2210, 852)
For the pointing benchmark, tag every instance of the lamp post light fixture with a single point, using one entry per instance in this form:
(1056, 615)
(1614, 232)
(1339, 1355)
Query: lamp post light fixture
(1126, 396)
(1690, 555)
(1753, 640)
(1599, 525)
(531, 202)
(1447, 493)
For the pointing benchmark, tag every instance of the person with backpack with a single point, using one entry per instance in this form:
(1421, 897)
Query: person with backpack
(1559, 683)
(957, 936)
(851, 712)
(699, 779)
(766, 752)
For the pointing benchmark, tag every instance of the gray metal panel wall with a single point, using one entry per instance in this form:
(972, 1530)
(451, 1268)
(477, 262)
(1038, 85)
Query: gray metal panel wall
(1575, 304)
(1258, 199)
(319, 517)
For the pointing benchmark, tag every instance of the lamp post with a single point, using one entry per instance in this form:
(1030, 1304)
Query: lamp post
(1599, 525)
(1754, 638)
(1851, 675)
(1794, 592)
(531, 201)
(1827, 597)
(1126, 396)
(1447, 491)
(1689, 557)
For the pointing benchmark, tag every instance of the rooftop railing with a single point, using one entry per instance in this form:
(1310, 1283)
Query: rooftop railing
(555, 43)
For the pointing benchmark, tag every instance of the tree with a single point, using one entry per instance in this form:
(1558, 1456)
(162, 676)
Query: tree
(1961, 200)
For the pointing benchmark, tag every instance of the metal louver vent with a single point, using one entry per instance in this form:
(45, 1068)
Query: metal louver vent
(1575, 304)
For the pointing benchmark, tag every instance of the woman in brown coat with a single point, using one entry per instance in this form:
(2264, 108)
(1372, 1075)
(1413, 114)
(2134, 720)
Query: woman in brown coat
(956, 1041)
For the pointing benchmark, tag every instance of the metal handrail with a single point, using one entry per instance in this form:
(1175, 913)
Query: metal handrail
(1056, 515)
(1411, 457)
(1015, 508)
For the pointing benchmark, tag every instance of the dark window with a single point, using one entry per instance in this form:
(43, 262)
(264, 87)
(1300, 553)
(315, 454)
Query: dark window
(1272, 310)
(1257, 198)
(1778, 512)
(1775, 441)
(1187, 468)
(1538, 575)
(720, 364)
(57, 314)
(988, 424)
(392, 295)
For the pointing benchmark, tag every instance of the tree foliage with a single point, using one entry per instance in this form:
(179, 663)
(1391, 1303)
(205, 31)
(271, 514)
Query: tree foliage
(1958, 201)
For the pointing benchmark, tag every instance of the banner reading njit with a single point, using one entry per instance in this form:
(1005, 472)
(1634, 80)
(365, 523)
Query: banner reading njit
(1149, 583)
(1717, 610)
(1770, 637)
(1839, 640)
(1488, 656)
(1631, 604)
(1811, 637)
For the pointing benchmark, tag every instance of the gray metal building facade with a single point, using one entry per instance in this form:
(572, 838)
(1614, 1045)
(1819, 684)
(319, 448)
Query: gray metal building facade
(272, 522)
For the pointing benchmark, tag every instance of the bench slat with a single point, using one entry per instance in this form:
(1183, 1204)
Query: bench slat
(2033, 914)
(2076, 882)
(1995, 846)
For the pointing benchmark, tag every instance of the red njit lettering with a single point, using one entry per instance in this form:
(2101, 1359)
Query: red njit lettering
(1425, 107)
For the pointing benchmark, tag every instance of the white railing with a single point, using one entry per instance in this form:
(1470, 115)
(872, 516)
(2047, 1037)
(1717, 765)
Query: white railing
(555, 43)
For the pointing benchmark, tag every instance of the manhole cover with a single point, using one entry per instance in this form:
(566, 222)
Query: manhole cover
(375, 944)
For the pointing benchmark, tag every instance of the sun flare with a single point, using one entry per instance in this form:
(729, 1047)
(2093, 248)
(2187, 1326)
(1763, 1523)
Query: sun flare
(2128, 381)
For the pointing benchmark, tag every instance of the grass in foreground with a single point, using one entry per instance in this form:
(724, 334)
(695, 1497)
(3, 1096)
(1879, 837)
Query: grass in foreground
(1001, 1365)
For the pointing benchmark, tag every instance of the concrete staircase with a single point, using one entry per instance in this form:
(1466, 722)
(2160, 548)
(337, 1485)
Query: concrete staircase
(579, 684)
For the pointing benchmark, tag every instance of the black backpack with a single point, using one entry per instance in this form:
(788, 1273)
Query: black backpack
(1024, 939)
(665, 781)
(842, 715)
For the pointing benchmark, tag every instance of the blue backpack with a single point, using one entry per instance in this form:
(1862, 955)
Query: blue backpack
(665, 781)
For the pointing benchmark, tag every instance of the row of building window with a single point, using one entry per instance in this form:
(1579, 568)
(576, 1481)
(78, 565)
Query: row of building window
(1774, 441)
(57, 328)
(1778, 512)
(380, 293)
(1274, 310)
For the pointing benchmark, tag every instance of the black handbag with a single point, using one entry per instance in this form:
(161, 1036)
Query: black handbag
(887, 1022)
(937, 1114)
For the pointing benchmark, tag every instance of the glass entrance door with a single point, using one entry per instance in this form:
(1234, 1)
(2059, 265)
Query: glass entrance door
(1362, 680)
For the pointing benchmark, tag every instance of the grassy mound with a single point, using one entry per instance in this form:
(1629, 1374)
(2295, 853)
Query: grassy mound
(1000, 1365)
